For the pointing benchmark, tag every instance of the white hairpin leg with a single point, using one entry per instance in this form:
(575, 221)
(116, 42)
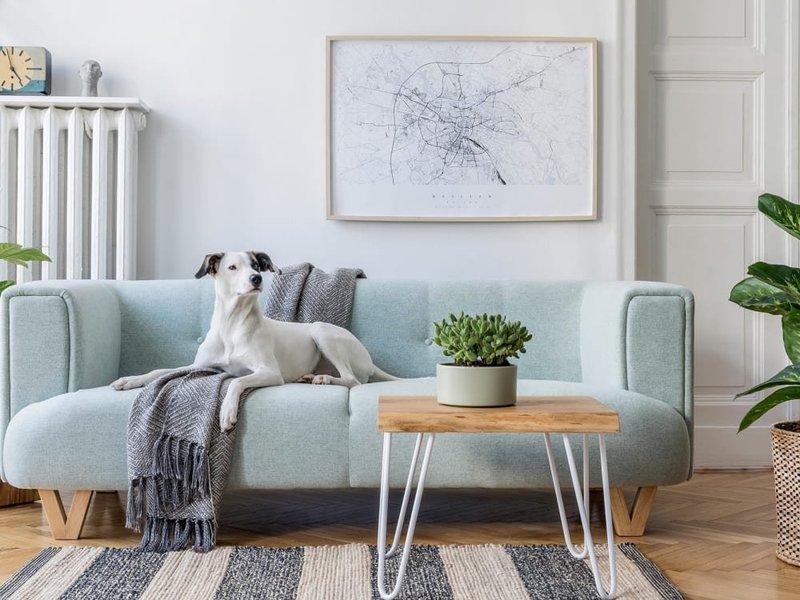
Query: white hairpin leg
(582, 499)
(383, 512)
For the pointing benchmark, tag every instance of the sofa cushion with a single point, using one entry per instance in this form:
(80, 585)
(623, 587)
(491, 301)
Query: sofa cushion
(295, 435)
(651, 449)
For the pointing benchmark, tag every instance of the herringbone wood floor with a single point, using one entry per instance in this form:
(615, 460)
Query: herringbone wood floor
(713, 536)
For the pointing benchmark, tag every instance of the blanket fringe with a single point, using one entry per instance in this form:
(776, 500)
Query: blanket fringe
(134, 514)
(165, 535)
(181, 468)
(180, 475)
(181, 460)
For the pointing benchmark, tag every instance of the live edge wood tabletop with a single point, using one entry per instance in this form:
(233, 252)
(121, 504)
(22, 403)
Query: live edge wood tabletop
(551, 414)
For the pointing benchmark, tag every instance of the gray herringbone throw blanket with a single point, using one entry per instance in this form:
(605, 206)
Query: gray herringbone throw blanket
(304, 293)
(178, 460)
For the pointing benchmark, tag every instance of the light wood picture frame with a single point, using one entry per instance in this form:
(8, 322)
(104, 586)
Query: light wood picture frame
(461, 128)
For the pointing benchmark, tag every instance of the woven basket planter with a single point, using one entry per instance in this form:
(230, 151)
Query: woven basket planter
(786, 462)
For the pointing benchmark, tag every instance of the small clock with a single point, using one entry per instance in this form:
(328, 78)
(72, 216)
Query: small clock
(24, 70)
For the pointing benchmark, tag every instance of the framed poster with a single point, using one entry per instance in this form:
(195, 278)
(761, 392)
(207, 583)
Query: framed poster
(461, 129)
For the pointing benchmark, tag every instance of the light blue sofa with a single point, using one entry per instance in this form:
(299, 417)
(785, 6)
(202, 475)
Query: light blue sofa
(629, 344)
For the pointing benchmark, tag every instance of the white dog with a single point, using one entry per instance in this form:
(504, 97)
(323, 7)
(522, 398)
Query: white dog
(262, 352)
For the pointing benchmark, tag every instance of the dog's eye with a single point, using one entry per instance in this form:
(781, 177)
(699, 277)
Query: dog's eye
(232, 268)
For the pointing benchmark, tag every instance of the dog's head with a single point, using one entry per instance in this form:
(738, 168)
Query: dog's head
(236, 273)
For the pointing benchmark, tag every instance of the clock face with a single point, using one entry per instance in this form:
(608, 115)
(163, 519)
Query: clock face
(24, 70)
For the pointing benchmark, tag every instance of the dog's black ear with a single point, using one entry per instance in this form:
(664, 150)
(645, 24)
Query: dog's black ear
(210, 264)
(264, 262)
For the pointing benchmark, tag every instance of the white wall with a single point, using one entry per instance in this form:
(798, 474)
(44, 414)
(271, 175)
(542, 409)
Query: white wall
(233, 155)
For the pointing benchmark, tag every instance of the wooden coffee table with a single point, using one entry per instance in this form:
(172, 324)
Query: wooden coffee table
(423, 415)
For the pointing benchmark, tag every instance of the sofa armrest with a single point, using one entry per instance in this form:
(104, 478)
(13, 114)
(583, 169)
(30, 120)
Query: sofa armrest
(55, 337)
(639, 336)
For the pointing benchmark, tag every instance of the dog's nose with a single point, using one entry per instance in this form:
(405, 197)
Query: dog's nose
(255, 279)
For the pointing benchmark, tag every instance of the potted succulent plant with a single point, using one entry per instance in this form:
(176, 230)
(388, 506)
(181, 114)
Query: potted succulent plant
(775, 289)
(480, 346)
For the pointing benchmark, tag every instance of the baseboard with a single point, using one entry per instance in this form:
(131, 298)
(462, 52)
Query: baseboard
(702, 470)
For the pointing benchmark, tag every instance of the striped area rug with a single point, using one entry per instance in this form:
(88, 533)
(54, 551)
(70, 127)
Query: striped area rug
(490, 572)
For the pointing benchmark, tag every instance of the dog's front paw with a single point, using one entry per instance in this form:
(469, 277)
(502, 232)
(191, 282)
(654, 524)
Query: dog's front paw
(126, 383)
(322, 380)
(228, 414)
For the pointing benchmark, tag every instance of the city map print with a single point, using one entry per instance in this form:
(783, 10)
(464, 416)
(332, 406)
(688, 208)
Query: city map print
(448, 128)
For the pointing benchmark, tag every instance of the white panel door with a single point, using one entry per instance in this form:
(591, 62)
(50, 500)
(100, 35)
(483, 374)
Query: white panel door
(716, 127)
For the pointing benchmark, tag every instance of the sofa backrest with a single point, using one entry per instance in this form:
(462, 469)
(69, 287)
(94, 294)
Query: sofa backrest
(162, 322)
(394, 320)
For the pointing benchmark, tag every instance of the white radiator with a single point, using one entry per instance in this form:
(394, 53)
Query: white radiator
(68, 175)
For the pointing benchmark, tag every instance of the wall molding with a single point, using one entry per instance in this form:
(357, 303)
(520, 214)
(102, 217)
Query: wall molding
(758, 117)
(673, 75)
(756, 16)
(626, 122)
(668, 209)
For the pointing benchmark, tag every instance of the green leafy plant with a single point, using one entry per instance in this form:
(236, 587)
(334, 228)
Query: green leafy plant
(480, 340)
(19, 255)
(775, 289)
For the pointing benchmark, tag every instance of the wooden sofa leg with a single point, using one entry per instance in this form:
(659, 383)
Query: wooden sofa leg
(633, 522)
(65, 527)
